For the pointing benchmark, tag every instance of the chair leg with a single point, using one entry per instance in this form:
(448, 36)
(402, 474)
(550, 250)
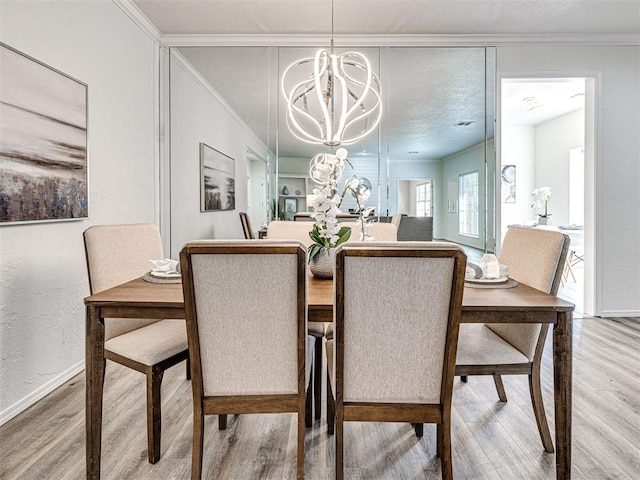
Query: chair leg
(497, 379)
(538, 409)
(317, 377)
(308, 402)
(464, 378)
(444, 449)
(331, 408)
(419, 429)
(154, 413)
(198, 440)
(188, 368)
(222, 422)
(339, 446)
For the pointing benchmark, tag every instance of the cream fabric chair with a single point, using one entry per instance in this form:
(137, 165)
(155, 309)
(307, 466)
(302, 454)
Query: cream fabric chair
(116, 254)
(397, 315)
(247, 336)
(536, 258)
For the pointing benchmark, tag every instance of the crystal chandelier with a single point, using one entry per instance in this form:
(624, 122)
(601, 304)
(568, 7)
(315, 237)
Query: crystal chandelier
(337, 103)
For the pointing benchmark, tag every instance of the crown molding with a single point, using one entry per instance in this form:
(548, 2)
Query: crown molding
(140, 19)
(464, 40)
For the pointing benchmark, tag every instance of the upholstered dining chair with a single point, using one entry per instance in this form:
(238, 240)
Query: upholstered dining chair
(246, 225)
(392, 358)
(116, 254)
(536, 258)
(247, 337)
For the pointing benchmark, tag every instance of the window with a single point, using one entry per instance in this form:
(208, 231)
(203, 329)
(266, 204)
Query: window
(424, 199)
(469, 198)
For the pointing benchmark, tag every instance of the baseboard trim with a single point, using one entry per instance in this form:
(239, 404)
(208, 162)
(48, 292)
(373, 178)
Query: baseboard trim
(39, 393)
(619, 313)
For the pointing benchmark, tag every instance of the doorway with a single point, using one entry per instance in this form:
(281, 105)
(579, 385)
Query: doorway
(257, 170)
(547, 140)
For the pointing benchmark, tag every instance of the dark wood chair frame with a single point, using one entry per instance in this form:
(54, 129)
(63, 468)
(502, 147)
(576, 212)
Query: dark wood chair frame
(246, 225)
(153, 374)
(440, 413)
(238, 404)
(531, 369)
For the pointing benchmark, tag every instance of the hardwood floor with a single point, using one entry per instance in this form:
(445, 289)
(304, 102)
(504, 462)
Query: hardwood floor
(490, 440)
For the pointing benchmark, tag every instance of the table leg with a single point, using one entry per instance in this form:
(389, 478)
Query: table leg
(94, 373)
(562, 391)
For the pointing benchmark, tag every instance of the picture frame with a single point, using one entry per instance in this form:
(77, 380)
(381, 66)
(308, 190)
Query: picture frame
(452, 206)
(290, 208)
(217, 180)
(43, 142)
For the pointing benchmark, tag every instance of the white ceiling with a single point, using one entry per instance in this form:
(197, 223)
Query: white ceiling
(427, 90)
(396, 17)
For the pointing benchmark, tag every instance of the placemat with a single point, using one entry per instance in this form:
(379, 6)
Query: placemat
(151, 279)
(510, 283)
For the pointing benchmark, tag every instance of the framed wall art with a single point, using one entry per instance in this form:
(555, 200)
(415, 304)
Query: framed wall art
(43, 142)
(217, 180)
(508, 191)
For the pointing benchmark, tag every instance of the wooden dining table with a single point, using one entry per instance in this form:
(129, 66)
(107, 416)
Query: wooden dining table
(521, 304)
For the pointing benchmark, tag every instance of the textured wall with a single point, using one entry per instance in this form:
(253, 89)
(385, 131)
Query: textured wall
(43, 280)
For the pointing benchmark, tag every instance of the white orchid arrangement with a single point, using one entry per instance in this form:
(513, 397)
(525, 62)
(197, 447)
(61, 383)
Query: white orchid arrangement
(326, 170)
(541, 197)
(360, 188)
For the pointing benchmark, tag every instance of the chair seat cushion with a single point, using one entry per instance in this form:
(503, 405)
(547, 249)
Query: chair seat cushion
(151, 344)
(478, 345)
(316, 328)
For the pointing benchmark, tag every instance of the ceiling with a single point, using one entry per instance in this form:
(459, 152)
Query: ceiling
(427, 90)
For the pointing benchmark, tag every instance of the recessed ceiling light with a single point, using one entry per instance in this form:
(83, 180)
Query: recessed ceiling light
(413, 152)
(464, 123)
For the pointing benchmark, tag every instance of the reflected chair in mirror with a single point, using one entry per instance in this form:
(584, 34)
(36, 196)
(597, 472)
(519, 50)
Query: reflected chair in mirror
(397, 316)
(536, 258)
(247, 336)
(246, 226)
(116, 254)
(299, 230)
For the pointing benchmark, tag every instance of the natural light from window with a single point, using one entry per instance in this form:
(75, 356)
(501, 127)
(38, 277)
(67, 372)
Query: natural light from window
(468, 221)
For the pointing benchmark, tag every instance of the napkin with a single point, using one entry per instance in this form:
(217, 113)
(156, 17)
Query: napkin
(165, 266)
(490, 266)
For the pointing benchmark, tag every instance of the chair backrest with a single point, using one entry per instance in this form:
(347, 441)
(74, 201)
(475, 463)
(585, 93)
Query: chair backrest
(287, 230)
(381, 232)
(246, 313)
(396, 219)
(536, 258)
(246, 225)
(116, 254)
(398, 309)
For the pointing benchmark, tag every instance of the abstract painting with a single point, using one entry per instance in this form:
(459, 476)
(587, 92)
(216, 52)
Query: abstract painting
(217, 180)
(43, 142)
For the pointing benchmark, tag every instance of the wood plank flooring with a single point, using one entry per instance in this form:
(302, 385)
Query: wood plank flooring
(491, 440)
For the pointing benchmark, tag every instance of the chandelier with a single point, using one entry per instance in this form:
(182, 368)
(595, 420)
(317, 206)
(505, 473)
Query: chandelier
(336, 103)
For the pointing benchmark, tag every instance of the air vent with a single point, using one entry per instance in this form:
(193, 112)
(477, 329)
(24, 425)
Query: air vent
(463, 124)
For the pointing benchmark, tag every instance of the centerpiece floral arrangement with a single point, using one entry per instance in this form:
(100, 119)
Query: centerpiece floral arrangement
(326, 171)
(541, 197)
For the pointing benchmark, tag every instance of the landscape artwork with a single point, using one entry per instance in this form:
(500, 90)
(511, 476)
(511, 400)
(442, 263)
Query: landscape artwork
(43, 142)
(217, 182)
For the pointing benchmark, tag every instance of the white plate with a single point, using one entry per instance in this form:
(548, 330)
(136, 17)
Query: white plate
(165, 274)
(486, 280)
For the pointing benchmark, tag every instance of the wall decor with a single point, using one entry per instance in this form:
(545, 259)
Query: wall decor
(217, 180)
(43, 142)
(508, 184)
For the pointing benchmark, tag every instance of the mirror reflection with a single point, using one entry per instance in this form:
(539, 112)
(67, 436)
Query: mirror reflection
(431, 155)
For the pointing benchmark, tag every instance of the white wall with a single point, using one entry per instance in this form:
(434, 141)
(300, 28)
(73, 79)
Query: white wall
(44, 280)
(553, 140)
(518, 149)
(199, 115)
(617, 197)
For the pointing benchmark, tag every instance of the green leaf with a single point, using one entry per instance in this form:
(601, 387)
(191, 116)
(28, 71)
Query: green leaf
(315, 249)
(343, 235)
